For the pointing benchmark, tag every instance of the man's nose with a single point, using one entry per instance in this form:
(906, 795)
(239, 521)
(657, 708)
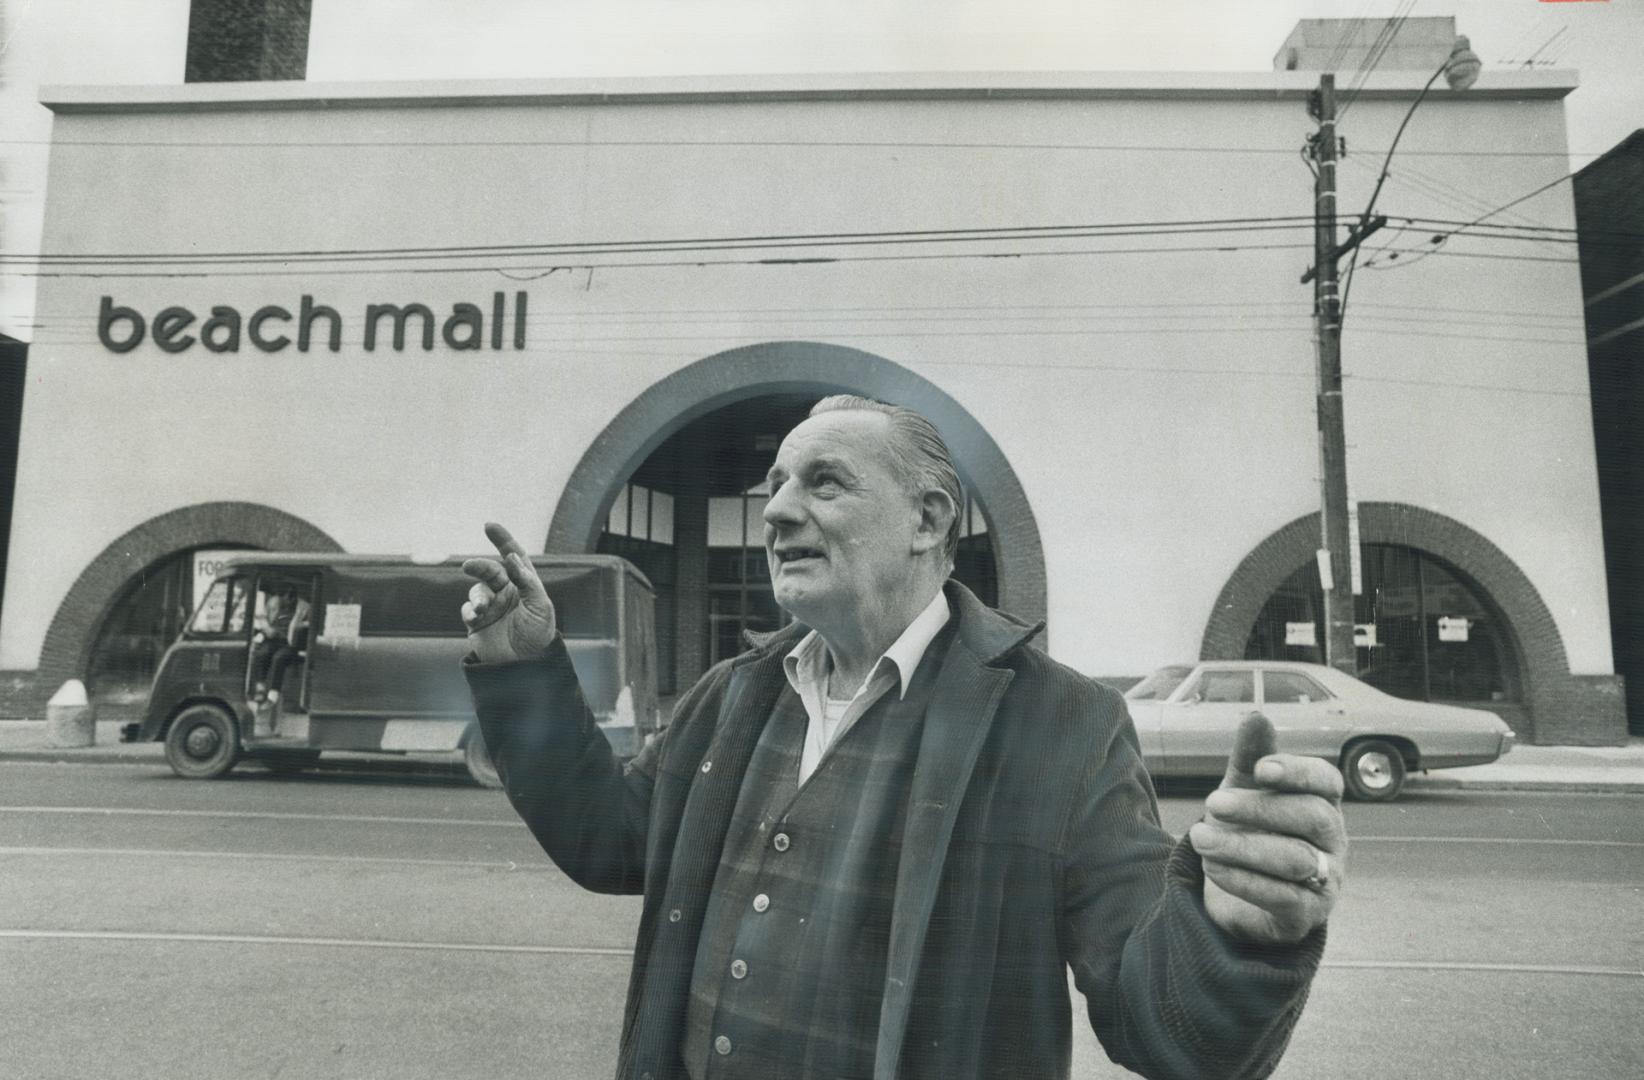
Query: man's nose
(782, 507)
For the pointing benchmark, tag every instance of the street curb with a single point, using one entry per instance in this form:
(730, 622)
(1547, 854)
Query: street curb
(154, 754)
(75, 756)
(1594, 787)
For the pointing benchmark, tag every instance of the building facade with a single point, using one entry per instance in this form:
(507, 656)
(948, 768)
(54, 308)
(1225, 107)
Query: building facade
(369, 317)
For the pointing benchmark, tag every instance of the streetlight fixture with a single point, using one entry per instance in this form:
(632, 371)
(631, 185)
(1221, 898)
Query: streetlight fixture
(1460, 70)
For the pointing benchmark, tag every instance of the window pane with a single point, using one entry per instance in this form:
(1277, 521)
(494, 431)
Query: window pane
(1228, 686)
(1289, 688)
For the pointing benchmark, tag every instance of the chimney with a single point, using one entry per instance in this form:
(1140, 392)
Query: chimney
(247, 40)
(1344, 44)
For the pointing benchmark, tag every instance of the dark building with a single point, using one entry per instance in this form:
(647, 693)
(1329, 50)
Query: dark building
(1609, 205)
(14, 362)
(247, 40)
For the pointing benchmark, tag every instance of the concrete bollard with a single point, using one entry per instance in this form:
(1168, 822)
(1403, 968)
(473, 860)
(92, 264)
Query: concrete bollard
(70, 719)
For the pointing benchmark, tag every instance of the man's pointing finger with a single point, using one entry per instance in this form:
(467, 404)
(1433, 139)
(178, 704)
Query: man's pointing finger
(504, 540)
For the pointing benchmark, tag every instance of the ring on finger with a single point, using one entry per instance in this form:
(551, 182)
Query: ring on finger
(1320, 879)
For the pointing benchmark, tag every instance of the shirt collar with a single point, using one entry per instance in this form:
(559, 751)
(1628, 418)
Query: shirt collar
(807, 663)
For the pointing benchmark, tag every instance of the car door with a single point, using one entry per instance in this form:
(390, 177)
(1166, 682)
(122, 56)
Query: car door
(1307, 717)
(1201, 718)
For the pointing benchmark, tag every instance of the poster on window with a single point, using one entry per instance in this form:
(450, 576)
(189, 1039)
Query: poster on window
(1301, 633)
(1453, 629)
(208, 563)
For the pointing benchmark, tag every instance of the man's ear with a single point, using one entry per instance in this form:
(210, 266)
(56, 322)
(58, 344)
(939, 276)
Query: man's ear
(936, 516)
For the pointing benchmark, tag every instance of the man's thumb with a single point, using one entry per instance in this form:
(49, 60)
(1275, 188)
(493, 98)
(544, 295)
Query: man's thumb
(1254, 741)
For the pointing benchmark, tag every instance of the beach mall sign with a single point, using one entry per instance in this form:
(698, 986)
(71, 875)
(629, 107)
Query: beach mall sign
(122, 329)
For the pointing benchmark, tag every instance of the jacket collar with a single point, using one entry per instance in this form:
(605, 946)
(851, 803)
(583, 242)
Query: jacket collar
(986, 633)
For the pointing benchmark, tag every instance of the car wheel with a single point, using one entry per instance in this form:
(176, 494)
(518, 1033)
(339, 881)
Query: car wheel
(478, 760)
(288, 762)
(1373, 770)
(203, 742)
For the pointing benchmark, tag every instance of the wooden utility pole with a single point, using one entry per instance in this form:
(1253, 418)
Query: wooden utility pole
(1338, 584)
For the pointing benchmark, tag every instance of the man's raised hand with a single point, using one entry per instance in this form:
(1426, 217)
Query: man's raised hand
(1272, 841)
(508, 613)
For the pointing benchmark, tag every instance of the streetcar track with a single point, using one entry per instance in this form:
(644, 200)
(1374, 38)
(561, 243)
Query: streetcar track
(166, 853)
(262, 815)
(498, 823)
(588, 950)
(322, 942)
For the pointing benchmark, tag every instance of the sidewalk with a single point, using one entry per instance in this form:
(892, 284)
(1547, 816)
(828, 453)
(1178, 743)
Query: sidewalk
(1527, 768)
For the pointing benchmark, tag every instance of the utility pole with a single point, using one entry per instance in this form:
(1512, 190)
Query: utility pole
(1335, 554)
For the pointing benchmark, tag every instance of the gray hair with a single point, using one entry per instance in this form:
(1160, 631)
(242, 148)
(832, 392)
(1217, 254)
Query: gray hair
(922, 460)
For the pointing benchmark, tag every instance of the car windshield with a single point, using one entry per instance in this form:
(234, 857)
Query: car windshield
(1158, 686)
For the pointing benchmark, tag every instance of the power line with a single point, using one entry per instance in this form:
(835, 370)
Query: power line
(311, 271)
(835, 239)
(1479, 220)
(1528, 234)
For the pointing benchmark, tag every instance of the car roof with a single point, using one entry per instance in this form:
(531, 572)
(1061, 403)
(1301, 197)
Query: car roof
(1270, 665)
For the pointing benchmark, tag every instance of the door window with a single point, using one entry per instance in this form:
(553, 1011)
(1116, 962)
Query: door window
(1223, 687)
(1290, 688)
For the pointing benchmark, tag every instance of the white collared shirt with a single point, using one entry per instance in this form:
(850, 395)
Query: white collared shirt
(807, 667)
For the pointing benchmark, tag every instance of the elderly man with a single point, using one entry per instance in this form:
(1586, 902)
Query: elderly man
(873, 845)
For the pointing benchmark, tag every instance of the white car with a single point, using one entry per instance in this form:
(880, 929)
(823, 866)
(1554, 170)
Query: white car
(1186, 714)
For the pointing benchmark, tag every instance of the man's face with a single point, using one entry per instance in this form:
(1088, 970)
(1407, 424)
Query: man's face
(840, 526)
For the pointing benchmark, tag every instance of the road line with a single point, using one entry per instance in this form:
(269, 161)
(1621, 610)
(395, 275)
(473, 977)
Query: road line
(581, 950)
(260, 815)
(276, 856)
(1351, 839)
(340, 943)
(1510, 969)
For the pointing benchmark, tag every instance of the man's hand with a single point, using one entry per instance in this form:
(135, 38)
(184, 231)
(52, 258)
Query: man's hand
(1262, 836)
(508, 613)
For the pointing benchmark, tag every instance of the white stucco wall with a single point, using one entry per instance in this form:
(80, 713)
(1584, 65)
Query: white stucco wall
(1157, 408)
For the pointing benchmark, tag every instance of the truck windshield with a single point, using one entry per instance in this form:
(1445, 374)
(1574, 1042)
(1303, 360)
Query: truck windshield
(223, 610)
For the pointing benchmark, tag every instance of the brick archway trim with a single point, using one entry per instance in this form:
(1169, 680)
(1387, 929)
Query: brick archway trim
(66, 652)
(806, 367)
(1560, 707)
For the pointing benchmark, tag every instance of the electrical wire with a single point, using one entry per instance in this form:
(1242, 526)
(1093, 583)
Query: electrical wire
(1445, 237)
(723, 243)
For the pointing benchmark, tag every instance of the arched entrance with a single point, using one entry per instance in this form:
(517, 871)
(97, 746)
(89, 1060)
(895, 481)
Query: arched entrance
(673, 483)
(125, 607)
(1422, 564)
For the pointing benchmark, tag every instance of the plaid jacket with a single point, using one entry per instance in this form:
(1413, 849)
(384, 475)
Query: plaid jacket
(1031, 845)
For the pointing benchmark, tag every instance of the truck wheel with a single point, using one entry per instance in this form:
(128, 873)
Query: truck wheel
(478, 760)
(203, 743)
(1373, 770)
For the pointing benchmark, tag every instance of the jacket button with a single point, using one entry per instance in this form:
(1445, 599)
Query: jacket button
(707, 765)
(761, 902)
(739, 970)
(780, 841)
(722, 1045)
(675, 915)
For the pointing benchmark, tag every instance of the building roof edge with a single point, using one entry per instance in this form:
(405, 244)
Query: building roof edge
(1108, 85)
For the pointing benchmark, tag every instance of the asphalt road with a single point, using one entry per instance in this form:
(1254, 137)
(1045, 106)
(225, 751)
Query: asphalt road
(389, 924)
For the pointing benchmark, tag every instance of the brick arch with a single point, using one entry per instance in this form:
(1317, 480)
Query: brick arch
(66, 652)
(1549, 689)
(806, 367)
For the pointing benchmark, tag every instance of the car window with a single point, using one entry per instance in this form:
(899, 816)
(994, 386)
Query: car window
(1157, 686)
(1290, 688)
(1226, 686)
